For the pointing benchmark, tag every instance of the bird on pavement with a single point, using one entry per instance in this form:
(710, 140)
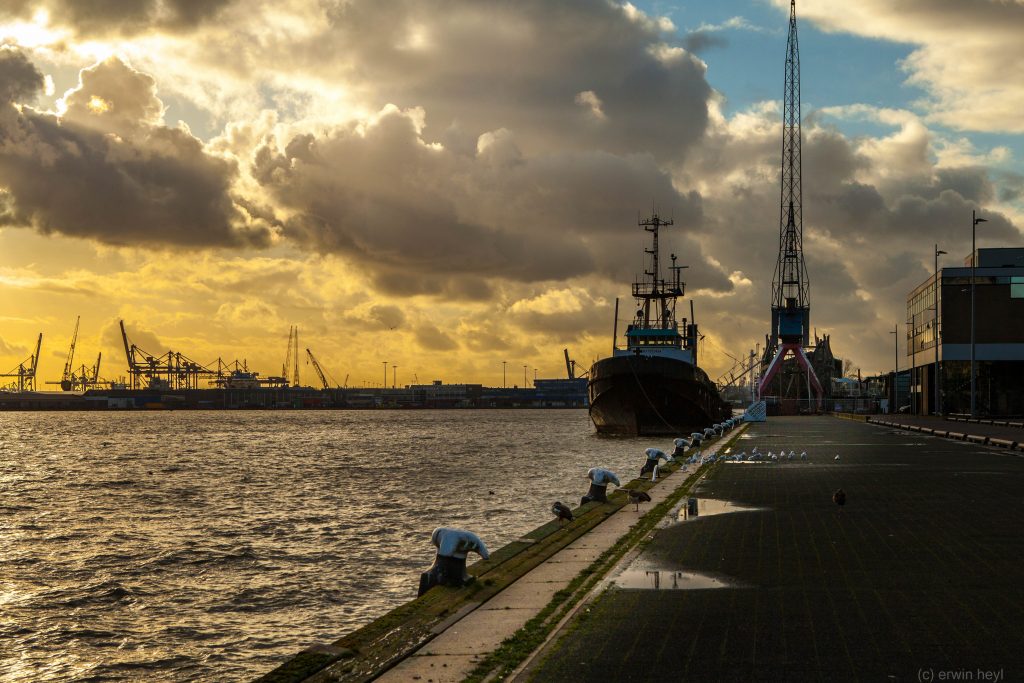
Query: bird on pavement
(839, 498)
(637, 497)
(836, 458)
(562, 512)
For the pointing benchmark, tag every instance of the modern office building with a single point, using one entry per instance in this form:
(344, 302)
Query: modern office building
(939, 337)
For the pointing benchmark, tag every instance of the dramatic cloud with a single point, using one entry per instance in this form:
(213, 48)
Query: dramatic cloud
(419, 215)
(20, 80)
(108, 169)
(104, 17)
(873, 207)
(967, 53)
(466, 175)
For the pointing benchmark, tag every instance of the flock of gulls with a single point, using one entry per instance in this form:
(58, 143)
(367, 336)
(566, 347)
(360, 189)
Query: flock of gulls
(655, 456)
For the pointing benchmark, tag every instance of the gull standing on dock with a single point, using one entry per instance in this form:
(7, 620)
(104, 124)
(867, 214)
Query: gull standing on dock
(562, 512)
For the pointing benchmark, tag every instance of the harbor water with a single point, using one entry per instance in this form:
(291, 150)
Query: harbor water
(211, 546)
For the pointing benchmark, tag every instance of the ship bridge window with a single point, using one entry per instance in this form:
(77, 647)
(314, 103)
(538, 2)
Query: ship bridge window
(1017, 287)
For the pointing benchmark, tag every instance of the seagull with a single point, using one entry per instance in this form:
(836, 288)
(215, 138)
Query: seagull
(839, 498)
(803, 455)
(775, 457)
(792, 455)
(771, 455)
(836, 458)
(637, 497)
(562, 512)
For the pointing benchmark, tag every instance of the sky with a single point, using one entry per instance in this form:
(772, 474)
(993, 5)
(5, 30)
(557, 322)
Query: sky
(447, 185)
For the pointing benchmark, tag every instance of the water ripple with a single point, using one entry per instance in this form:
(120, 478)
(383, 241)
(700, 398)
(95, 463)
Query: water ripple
(210, 546)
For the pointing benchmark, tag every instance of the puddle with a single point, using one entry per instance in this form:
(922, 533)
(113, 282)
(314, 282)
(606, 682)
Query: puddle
(662, 579)
(695, 508)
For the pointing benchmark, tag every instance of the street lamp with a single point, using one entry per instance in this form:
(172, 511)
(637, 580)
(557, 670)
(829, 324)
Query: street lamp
(385, 385)
(503, 374)
(974, 257)
(896, 375)
(524, 377)
(935, 329)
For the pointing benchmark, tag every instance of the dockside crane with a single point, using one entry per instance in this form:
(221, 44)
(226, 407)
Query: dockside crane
(25, 372)
(311, 359)
(791, 297)
(172, 370)
(290, 369)
(570, 367)
(66, 383)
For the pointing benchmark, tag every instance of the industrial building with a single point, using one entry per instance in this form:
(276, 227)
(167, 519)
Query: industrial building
(939, 337)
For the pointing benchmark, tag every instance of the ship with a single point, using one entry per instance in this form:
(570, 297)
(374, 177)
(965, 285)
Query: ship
(653, 385)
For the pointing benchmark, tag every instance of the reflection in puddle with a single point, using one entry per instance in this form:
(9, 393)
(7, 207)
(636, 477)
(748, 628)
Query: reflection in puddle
(656, 579)
(694, 508)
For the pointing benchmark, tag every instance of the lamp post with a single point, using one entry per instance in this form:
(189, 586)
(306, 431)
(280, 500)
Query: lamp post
(385, 385)
(896, 375)
(935, 329)
(974, 257)
(503, 363)
(524, 377)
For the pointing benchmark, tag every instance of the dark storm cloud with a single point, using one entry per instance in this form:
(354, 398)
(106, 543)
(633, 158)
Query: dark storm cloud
(20, 80)
(125, 17)
(110, 171)
(526, 66)
(423, 219)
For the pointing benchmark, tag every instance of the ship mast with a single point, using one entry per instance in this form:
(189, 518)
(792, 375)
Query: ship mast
(653, 290)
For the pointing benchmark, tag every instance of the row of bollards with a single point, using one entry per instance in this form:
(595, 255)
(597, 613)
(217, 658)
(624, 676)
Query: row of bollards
(449, 568)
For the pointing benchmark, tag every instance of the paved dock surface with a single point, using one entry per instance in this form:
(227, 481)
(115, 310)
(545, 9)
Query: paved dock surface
(917, 578)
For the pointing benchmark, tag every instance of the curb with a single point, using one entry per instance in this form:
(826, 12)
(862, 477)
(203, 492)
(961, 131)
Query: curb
(979, 439)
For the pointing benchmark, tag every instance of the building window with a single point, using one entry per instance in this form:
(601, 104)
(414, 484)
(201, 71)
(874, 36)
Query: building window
(1017, 287)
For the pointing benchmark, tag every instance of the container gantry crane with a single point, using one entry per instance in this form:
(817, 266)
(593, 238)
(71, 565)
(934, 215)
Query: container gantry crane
(25, 372)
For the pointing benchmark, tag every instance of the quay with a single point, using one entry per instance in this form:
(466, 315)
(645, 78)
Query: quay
(918, 575)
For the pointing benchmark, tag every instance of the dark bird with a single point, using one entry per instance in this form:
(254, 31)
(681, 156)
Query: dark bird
(637, 497)
(839, 498)
(562, 512)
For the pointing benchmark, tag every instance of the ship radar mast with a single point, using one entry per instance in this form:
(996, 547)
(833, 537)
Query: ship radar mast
(655, 297)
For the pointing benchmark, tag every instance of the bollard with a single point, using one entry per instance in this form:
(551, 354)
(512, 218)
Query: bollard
(599, 479)
(651, 464)
(449, 568)
(597, 493)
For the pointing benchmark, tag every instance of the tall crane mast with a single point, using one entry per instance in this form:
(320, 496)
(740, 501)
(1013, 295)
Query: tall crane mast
(316, 366)
(791, 299)
(290, 369)
(66, 382)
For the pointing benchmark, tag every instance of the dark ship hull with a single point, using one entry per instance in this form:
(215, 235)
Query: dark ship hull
(650, 395)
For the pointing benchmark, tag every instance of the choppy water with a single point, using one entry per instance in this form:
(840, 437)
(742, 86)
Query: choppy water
(209, 546)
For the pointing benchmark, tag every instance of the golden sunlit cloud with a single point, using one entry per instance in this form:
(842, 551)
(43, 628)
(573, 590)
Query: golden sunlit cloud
(98, 105)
